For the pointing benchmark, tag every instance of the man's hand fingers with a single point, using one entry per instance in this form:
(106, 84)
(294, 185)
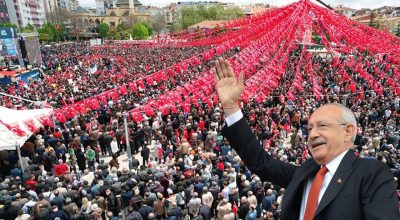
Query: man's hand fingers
(219, 70)
(216, 77)
(224, 67)
(241, 79)
(229, 68)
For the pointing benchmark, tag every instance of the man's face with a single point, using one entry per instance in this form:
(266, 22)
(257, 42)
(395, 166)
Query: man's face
(328, 136)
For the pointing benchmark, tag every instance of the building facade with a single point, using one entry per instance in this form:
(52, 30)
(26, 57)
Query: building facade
(24, 12)
(57, 10)
(171, 11)
(115, 13)
(4, 18)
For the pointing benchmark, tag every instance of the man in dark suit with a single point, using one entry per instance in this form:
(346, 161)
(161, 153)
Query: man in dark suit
(335, 184)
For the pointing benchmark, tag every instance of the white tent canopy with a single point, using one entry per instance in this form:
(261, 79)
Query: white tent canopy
(19, 118)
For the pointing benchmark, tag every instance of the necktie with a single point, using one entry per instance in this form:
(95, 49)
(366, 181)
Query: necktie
(312, 200)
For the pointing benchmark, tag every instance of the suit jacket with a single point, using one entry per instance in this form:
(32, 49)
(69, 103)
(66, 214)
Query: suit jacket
(360, 188)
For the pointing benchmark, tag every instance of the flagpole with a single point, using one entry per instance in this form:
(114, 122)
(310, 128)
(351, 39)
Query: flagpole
(128, 147)
(19, 157)
(20, 98)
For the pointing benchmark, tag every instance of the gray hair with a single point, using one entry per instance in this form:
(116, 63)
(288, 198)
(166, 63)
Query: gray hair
(346, 117)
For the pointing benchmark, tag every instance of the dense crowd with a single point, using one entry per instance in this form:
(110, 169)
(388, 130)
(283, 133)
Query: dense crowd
(183, 168)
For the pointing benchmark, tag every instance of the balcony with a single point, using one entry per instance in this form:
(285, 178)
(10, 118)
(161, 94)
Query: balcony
(32, 3)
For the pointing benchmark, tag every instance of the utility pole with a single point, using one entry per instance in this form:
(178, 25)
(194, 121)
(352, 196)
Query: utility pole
(128, 147)
(324, 4)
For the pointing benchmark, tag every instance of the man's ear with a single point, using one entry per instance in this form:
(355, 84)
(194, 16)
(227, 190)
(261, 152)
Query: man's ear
(350, 131)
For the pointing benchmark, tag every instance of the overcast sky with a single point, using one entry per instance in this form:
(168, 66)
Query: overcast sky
(357, 4)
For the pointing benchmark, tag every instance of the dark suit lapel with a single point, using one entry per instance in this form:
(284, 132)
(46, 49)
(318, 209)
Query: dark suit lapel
(294, 192)
(338, 180)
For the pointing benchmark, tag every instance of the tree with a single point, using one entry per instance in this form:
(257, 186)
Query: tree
(398, 30)
(139, 31)
(372, 20)
(76, 26)
(191, 15)
(9, 25)
(148, 27)
(104, 30)
(157, 21)
(28, 28)
(47, 33)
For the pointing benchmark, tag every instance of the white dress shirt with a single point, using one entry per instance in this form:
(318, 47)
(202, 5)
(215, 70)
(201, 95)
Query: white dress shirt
(332, 167)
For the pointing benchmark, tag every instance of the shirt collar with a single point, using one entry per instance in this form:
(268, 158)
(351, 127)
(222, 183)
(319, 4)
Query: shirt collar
(334, 164)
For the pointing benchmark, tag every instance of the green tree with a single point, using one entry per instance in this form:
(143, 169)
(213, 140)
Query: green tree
(9, 25)
(52, 32)
(191, 15)
(398, 30)
(121, 32)
(28, 28)
(139, 31)
(104, 30)
(373, 21)
(148, 27)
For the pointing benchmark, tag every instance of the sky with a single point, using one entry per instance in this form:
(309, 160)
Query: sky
(356, 4)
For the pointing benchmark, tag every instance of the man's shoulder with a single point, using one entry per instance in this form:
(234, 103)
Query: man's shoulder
(369, 165)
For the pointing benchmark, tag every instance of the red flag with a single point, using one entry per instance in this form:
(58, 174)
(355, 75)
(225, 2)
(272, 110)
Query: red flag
(171, 72)
(136, 116)
(30, 124)
(46, 121)
(113, 95)
(305, 153)
(122, 90)
(92, 103)
(133, 87)
(60, 116)
(16, 130)
(70, 112)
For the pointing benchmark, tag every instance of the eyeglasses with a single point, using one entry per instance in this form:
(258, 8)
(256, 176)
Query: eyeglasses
(323, 126)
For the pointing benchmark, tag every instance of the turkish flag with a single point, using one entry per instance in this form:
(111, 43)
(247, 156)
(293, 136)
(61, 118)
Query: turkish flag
(122, 90)
(81, 107)
(171, 72)
(93, 103)
(16, 130)
(46, 120)
(113, 95)
(60, 116)
(133, 87)
(148, 110)
(150, 80)
(136, 116)
(30, 124)
(70, 112)
(103, 98)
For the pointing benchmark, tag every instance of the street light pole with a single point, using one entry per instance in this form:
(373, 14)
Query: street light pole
(324, 4)
(128, 147)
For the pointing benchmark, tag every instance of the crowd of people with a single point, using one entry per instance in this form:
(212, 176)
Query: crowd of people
(182, 167)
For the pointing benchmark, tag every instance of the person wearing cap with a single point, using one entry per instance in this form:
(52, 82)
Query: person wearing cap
(354, 188)
(96, 212)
